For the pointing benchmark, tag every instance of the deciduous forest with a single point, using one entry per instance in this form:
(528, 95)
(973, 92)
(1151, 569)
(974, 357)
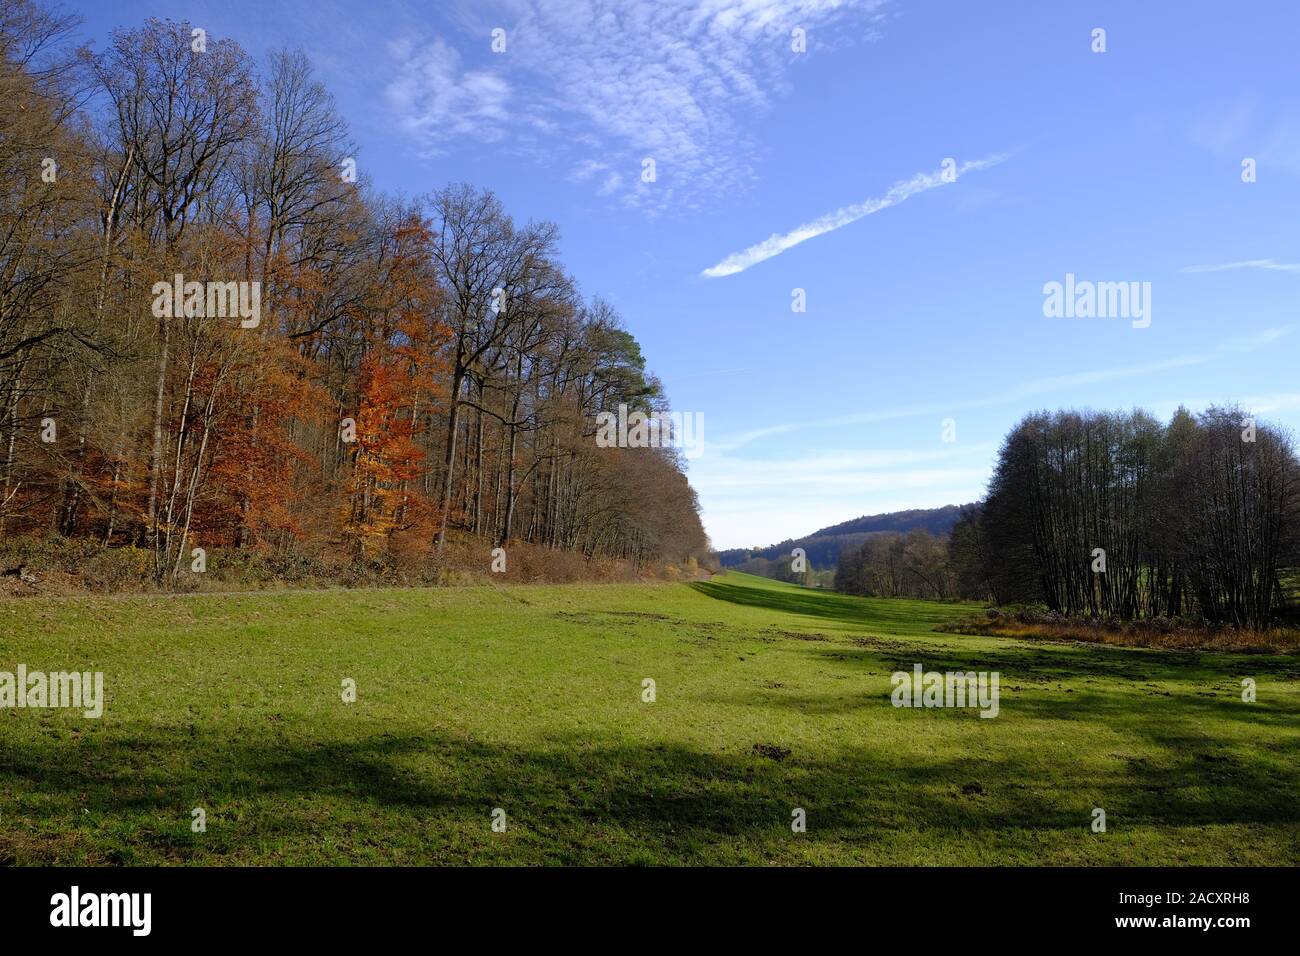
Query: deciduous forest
(1115, 515)
(421, 371)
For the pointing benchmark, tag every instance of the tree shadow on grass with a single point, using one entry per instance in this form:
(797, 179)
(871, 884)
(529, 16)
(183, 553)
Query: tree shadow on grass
(1126, 689)
(861, 612)
(1130, 711)
(1034, 663)
(573, 801)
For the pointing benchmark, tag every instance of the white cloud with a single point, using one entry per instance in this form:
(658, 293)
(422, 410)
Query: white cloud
(1236, 132)
(1025, 390)
(776, 244)
(1255, 340)
(611, 82)
(814, 473)
(1246, 264)
(585, 170)
(436, 101)
(610, 184)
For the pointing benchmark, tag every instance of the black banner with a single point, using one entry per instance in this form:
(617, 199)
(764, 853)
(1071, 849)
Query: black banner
(337, 905)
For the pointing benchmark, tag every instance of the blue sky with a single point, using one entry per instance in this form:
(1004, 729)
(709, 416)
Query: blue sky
(1122, 166)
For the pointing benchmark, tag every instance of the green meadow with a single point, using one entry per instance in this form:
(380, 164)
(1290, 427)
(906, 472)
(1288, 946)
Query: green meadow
(767, 698)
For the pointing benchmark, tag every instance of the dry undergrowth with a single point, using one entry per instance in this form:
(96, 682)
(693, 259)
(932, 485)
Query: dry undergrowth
(1181, 636)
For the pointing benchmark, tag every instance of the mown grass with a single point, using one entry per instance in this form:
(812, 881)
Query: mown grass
(529, 699)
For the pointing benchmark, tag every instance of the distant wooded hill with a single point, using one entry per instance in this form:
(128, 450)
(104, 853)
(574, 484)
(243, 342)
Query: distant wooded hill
(823, 547)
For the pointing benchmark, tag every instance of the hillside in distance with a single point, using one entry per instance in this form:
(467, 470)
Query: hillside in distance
(823, 547)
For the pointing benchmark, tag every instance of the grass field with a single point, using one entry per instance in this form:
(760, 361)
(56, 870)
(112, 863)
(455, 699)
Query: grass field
(529, 699)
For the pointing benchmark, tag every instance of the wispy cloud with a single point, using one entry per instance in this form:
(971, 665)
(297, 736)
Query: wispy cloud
(1025, 390)
(1238, 131)
(1224, 129)
(1246, 264)
(436, 101)
(612, 82)
(901, 191)
(834, 470)
(1255, 340)
(608, 181)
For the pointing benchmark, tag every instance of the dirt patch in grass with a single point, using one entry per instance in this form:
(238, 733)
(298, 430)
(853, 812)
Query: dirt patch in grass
(773, 632)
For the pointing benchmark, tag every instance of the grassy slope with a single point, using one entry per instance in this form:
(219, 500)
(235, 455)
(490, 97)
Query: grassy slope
(529, 700)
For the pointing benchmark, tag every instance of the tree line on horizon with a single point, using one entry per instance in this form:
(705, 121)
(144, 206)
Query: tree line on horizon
(418, 367)
(895, 564)
(1114, 515)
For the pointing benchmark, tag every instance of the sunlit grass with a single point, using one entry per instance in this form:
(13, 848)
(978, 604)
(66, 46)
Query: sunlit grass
(530, 699)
